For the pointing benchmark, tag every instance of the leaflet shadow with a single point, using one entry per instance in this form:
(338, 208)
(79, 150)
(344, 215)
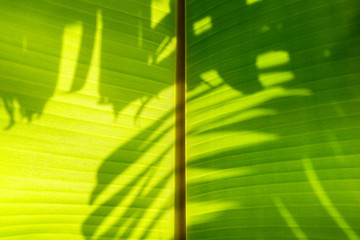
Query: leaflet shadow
(137, 54)
(295, 67)
(136, 193)
(133, 195)
(31, 52)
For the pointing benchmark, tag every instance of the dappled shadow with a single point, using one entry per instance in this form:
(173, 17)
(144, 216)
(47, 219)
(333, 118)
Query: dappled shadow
(133, 195)
(31, 43)
(128, 154)
(136, 191)
(133, 58)
(120, 54)
(135, 63)
(271, 83)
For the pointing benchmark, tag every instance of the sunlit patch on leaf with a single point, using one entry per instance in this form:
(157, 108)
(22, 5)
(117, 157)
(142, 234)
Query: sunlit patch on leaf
(272, 59)
(249, 2)
(159, 10)
(202, 25)
(275, 78)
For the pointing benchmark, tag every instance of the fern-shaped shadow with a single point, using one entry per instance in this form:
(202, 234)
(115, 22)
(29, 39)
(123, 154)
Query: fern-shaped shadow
(145, 194)
(272, 83)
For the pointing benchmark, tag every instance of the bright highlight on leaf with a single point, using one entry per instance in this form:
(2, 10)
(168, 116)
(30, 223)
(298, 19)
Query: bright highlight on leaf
(275, 78)
(272, 59)
(69, 55)
(289, 219)
(209, 144)
(159, 10)
(93, 76)
(204, 175)
(167, 50)
(326, 201)
(249, 2)
(211, 78)
(201, 212)
(202, 25)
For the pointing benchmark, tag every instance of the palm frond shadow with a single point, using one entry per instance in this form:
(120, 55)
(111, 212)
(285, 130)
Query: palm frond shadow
(30, 74)
(285, 115)
(246, 150)
(31, 43)
(314, 116)
(32, 46)
(145, 195)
